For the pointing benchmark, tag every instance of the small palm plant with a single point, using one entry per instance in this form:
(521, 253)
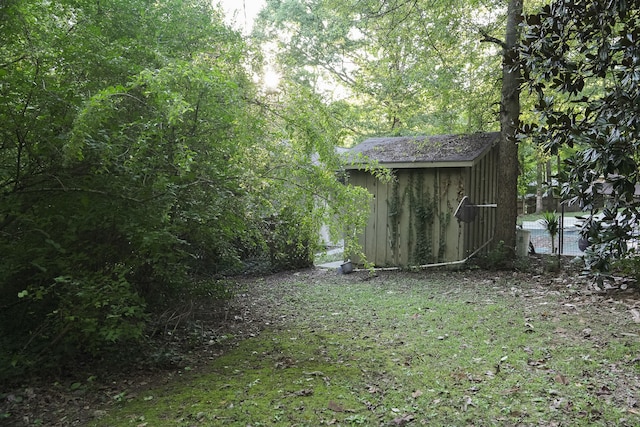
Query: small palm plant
(551, 223)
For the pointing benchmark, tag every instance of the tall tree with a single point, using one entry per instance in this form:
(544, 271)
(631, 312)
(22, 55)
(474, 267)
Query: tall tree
(507, 211)
(408, 66)
(510, 133)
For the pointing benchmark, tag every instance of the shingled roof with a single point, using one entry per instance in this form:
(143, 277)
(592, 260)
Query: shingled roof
(424, 151)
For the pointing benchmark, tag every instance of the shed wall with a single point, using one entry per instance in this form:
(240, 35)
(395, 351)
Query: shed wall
(481, 185)
(411, 220)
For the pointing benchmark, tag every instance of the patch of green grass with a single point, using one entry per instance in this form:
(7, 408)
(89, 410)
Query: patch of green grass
(411, 349)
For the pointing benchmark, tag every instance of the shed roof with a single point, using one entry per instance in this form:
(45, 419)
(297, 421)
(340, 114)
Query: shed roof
(424, 151)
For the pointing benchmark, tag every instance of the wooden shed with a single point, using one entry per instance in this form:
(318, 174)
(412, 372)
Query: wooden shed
(412, 218)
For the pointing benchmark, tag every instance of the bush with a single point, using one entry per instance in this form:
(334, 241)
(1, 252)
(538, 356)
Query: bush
(72, 317)
(289, 239)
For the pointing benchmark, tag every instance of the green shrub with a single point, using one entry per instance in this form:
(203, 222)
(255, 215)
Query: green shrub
(75, 316)
(289, 239)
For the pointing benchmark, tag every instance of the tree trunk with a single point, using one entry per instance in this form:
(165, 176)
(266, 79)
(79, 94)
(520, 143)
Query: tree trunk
(507, 211)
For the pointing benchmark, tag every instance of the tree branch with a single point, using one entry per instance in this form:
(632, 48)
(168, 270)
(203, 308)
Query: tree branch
(486, 38)
(82, 190)
(6, 64)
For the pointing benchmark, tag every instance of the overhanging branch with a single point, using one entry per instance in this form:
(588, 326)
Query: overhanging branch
(486, 38)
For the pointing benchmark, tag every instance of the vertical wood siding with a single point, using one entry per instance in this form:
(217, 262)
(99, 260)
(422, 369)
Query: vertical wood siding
(482, 183)
(411, 220)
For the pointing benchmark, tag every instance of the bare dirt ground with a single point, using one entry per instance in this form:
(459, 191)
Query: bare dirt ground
(193, 335)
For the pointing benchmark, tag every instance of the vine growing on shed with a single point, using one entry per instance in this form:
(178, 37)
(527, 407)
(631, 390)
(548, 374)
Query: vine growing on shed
(423, 209)
(394, 206)
(445, 220)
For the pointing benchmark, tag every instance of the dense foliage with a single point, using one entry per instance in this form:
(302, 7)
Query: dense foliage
(582, 60)
(136, 153)
(406, 66)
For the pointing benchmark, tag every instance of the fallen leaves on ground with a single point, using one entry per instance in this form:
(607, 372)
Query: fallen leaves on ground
(403, 420)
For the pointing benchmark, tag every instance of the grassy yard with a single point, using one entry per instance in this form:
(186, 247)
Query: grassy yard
(463, 348)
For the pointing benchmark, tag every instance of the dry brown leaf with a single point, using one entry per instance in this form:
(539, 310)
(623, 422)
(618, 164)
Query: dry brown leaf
(562, 379)
(511, 390)
(335, 407)
(403, 420)
(416, 394)
(466, 402)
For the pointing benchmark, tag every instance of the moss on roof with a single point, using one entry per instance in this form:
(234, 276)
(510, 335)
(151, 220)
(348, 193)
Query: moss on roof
(426, 149)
